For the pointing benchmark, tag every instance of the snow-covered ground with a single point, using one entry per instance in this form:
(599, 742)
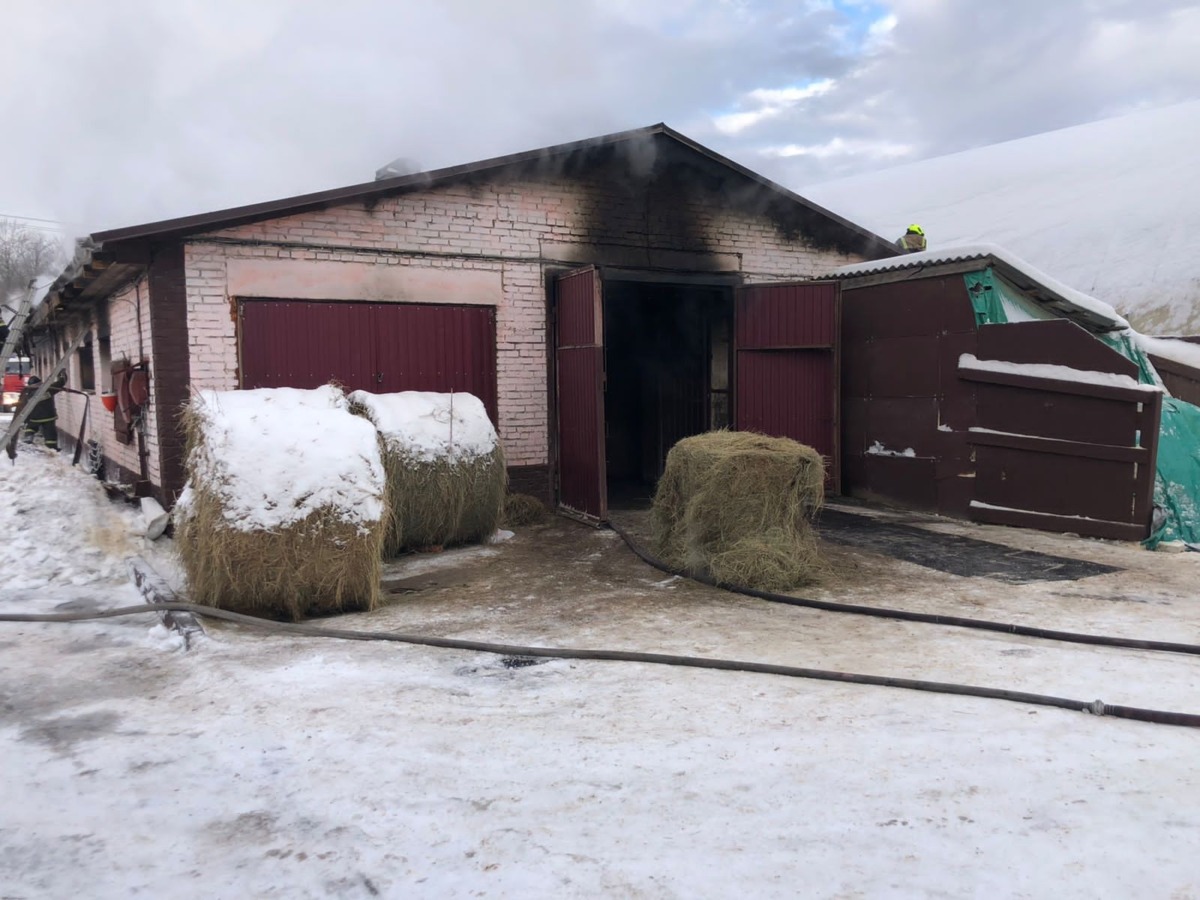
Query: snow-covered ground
(265, 766)
(1112, 208)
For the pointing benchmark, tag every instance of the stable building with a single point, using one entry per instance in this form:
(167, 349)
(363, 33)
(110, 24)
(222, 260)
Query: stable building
(603, 298)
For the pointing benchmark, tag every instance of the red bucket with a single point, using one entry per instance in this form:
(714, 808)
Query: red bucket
(109, 401)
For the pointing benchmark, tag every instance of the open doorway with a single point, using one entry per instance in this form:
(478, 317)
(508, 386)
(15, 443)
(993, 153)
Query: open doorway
(667, 365)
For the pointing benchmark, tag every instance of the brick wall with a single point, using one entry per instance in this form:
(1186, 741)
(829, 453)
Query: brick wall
(120, 323)
(520, 229)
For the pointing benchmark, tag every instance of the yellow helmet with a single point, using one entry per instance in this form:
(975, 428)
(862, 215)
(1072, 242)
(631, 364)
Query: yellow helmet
(916, 229)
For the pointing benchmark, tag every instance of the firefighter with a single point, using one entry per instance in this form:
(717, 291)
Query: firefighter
(44, 417)
(913, 240)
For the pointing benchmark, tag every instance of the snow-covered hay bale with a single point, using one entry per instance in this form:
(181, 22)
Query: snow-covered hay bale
(738, 507)
(446, 475)
(285, 508)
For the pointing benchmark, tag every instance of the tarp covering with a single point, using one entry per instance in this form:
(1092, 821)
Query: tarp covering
(1177, 475)
(1177, 480)
(997, 302)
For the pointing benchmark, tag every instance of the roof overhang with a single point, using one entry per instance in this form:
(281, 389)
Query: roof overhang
(91, 276)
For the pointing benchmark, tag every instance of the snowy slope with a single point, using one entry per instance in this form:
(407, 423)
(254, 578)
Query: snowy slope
(1112, 208)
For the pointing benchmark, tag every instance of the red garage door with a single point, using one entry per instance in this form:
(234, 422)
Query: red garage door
(378, 347)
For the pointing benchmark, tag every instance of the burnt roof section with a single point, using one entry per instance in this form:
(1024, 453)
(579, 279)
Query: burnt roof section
(832, 228)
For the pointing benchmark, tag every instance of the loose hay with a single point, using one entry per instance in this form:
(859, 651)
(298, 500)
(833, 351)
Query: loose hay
(283, 515)
(523, 509)
(446, 473)
(738, 506)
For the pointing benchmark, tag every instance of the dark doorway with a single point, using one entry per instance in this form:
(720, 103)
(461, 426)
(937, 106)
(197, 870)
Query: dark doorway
(667, 371)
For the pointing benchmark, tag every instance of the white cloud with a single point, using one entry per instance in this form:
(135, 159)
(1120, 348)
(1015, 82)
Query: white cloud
(841, 147)
(152, 109)
(770, 102)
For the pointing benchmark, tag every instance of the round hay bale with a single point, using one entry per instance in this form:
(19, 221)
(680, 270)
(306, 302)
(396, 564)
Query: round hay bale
(776, 560)
(283, 515)
(445, 468)
(523, 509)
(726, 496)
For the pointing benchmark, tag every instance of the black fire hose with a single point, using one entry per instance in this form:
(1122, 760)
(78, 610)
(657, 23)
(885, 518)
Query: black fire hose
(883, 612)
(1158, 717)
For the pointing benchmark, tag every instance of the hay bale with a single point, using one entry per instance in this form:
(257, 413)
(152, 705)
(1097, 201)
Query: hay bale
(523, 509)
(446, 474)
(738, 507)
(283, 514)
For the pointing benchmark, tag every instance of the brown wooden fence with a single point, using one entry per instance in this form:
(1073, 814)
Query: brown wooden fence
(1054, 450)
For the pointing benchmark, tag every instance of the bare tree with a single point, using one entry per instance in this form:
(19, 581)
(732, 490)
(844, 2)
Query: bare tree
(26, 254)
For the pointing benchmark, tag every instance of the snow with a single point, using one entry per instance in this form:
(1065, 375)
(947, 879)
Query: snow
(979, 504)
(267, 766)
(1098, 308)
(1112, 207)
(277, 455)
(970, 363)
(877, 449)
(1183, 352)
(428, 426)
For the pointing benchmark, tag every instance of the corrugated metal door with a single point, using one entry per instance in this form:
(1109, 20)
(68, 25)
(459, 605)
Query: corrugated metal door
(378, 347)
(786, 377)
(436, 348)
(305, 345)
(579, 356)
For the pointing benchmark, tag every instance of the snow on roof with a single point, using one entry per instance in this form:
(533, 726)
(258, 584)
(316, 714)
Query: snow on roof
(1060, 295)
(1112, 207)
(971, 363)
(1183, 352)
(429, 426)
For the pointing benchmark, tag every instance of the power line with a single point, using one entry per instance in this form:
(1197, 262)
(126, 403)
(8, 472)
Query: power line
(29, 218)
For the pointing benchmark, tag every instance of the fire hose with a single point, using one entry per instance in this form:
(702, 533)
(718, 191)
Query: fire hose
(1096, 707)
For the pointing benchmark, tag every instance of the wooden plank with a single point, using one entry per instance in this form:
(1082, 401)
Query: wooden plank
(1056, 385)
(1098, 528)
(1151, 423)
(155, 591)
(1138, 455)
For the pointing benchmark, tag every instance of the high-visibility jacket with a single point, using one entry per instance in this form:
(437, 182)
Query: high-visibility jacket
(911, 242)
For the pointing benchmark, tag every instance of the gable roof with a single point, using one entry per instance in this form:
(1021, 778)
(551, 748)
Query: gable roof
(842, 230)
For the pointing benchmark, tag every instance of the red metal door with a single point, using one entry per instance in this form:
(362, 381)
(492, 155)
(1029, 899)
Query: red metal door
(436, 348)
(304, 345)
(579, 355)
(377, 347)
(786, 378)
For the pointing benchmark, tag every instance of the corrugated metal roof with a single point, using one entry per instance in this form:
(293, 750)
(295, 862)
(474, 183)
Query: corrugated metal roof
(1096, 315)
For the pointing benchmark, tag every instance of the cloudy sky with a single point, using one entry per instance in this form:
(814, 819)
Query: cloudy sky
(125, 111)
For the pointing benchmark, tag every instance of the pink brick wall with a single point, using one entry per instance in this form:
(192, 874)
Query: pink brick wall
(499, 227)
(125, 342)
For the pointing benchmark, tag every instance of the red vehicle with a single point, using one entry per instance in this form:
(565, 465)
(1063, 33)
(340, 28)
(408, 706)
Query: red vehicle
(16, 374)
